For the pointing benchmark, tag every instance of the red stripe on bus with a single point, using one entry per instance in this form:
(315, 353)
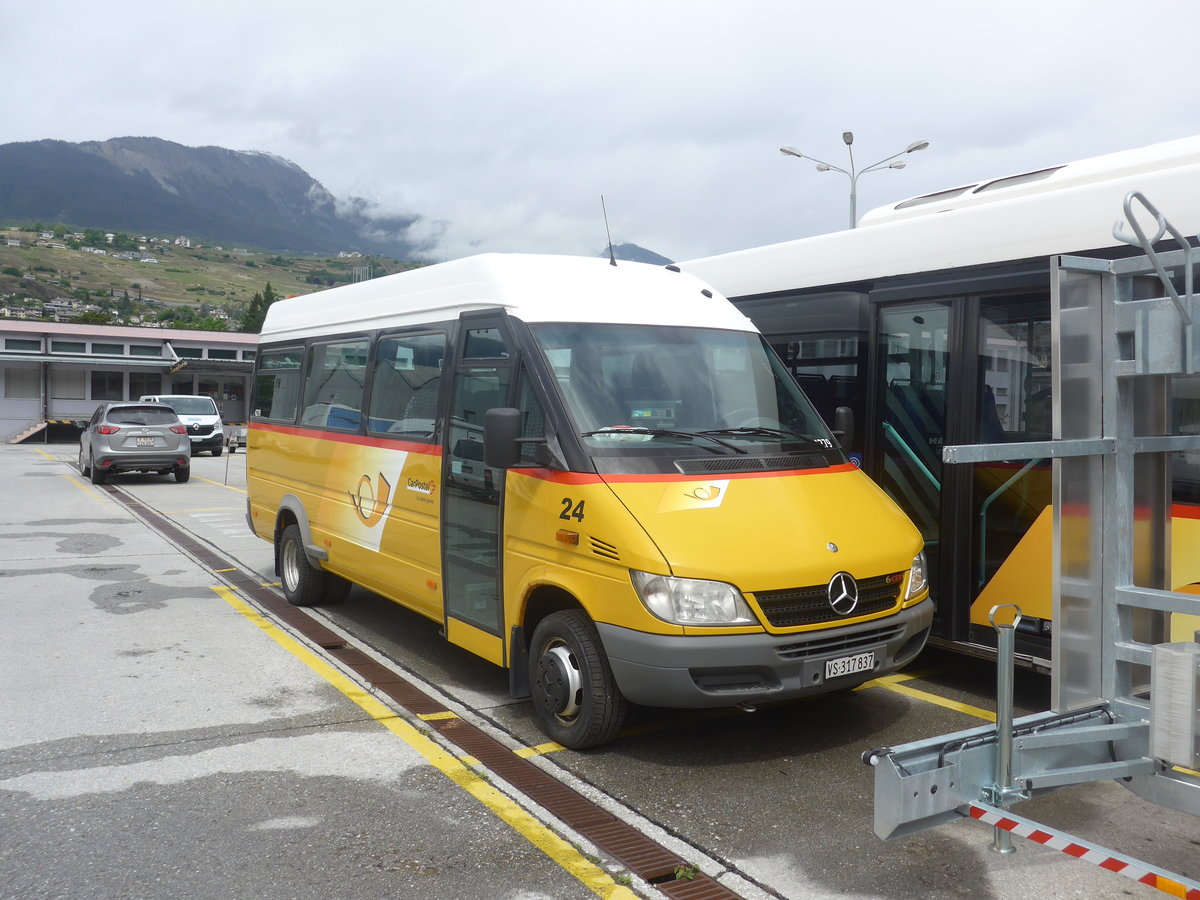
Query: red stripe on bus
(358, 439)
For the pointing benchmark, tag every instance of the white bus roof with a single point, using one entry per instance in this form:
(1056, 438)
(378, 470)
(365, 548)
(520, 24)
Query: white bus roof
(1063, 209)
(531, 287)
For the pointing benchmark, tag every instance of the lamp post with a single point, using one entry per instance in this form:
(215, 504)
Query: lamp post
(890, 162)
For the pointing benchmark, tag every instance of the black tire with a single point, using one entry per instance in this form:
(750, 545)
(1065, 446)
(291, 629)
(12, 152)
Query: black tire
(182, 475)
(217, 451)
(233, 448)
(304, 584)
(98, 475)
(575, 697)
(83, 470)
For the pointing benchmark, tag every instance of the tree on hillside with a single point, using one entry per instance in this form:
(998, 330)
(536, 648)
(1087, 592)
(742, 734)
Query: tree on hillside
(93, 317)
(256, 311)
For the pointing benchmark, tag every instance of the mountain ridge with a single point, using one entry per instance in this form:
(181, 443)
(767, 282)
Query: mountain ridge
(148, 184)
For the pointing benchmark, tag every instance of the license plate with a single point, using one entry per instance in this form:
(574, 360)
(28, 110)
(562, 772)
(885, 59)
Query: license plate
(849, 665)
(145, 442)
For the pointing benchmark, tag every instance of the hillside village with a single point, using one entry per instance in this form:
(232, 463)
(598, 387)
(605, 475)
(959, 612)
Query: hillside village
(104, 277)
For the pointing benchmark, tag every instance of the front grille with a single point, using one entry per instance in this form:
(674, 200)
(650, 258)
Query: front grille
(824, 644)
(810, 605)
(726, 464)
(200, 430)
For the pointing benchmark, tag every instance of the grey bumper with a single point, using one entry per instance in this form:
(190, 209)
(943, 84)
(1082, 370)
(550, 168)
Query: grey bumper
(724, 670)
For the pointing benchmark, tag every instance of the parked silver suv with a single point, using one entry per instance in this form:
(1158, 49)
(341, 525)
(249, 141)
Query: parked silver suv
(134, 437)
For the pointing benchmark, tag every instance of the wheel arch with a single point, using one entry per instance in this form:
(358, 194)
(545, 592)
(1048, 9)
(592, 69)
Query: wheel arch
(291, 512)
(540, 601)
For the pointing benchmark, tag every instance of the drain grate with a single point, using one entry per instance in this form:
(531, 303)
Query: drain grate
(640, 854)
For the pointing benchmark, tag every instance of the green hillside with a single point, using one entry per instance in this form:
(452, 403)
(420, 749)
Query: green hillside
(181, 282)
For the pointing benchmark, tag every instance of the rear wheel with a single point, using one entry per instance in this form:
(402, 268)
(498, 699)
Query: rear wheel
(182, 475)
(83, 469)
(99, 476)
(303, 583)
(575, 697)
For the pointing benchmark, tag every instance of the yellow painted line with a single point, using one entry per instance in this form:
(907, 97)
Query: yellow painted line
(220, 484)
(927, 697)
(97, 496)
(171, 512)
(539, 750)
(437, 716)
(223, 571)
(594, 878)
(45, 454)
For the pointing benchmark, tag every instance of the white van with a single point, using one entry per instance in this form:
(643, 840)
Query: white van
(200, 415)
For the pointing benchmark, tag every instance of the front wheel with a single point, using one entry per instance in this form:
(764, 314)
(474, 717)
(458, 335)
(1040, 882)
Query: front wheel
(303, 583)
(216, 451)
(575, 697)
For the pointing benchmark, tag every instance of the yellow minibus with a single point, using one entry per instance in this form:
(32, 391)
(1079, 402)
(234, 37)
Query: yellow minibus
(596, 475)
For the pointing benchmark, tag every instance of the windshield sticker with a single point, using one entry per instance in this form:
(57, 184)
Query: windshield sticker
(693, 495)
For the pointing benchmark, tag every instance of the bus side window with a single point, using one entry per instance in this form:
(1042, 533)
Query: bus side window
(333, 385)
(277, 384)
(405, 384)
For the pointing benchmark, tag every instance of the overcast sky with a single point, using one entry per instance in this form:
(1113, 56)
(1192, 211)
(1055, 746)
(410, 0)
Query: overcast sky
(502, 124)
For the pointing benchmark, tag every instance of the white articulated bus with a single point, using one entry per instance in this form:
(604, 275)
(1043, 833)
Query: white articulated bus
(596, 475)
(931, 321)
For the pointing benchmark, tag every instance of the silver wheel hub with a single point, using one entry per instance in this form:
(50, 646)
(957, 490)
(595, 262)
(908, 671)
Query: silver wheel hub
(559, 684)
(290, 566)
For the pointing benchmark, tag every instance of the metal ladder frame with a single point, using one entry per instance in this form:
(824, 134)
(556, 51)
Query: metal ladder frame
(1121, 331)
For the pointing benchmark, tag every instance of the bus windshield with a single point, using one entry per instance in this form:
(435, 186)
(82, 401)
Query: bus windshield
(637, 384)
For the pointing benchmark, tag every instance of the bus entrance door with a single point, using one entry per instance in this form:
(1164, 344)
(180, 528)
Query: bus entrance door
(471, 499)
(915, 340)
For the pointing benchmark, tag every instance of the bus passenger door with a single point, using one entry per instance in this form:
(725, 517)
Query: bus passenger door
(914, 341)
(471, 522)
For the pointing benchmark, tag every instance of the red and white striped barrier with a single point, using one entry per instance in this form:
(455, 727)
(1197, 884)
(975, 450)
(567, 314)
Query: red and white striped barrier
(1167, 882)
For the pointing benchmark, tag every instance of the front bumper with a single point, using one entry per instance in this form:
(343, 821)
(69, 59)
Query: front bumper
(207, 441)
(693, 672)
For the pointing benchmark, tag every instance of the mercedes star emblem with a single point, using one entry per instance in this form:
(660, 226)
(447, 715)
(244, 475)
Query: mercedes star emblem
(842, 593)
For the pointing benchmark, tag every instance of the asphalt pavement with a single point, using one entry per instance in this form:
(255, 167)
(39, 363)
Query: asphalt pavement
(158, 738)
(161, 736)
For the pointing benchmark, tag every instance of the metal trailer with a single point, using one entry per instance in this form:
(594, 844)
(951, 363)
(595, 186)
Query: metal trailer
(1125, 700)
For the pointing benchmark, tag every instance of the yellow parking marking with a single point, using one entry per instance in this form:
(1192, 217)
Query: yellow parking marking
(437, 716)
(897, 687)
(219, 484)
(97, 496)
(539, 750)
(570, 859)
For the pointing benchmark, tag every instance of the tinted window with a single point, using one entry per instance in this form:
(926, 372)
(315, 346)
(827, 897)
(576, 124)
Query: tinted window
(142, 415)
(333, 384)
(277, 385)
(405, 382)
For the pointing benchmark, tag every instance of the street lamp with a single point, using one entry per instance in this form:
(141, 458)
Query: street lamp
(890, 162)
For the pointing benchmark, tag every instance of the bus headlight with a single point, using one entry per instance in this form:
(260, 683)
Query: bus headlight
(688, 601)
(917, 581)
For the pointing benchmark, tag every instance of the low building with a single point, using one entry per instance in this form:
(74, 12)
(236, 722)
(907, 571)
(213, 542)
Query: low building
(61, 371)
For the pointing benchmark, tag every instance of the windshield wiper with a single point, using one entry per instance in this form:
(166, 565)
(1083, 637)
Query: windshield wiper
(762, 431)
(666, 432)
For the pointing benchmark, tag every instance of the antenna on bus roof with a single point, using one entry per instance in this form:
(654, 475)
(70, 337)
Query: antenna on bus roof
(612, 259)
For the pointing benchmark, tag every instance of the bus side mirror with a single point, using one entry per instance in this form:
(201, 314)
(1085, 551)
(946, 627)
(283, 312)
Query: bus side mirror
(501, 433)
(843, 426)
